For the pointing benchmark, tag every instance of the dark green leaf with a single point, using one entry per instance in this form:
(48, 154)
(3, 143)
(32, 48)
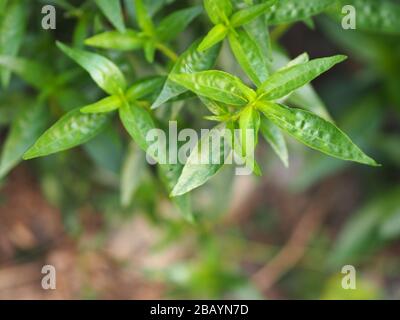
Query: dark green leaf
(25, 129)
(176, 22)
(12, 29)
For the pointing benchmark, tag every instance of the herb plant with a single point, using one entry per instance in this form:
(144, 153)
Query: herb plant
(269, 99)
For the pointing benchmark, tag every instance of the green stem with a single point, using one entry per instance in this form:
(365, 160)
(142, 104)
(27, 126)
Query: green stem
(279, 31)
(167, 51)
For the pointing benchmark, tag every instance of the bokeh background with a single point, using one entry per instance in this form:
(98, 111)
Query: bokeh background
(285, 235)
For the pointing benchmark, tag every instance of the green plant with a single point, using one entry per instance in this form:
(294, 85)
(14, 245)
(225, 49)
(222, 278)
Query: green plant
(259, 104)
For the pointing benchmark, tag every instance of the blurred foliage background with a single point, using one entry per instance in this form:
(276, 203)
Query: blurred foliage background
(99, 214)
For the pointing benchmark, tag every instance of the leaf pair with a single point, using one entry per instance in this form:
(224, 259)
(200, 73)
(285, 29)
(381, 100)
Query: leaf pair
(305, 126)
(150, 37)
(245, 31)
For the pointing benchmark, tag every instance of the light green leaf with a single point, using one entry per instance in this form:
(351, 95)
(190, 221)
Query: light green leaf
(206, 159)
(104, 72)
(128, 40)
(258, 30)
(246, 15)
(315, 132)
(176, 22)
(249, 55)
(215, 35)
(145, 87)
(273, 135)
(12, 29)
(214, 107)
(73, 129)
(288, 11)
(216, 85)
(283, 82)
(34, 73)
(149, 50)
(112, 10)
(219, 11)
(190, 61)
(104, 105)
(25, 129)
(143, 18)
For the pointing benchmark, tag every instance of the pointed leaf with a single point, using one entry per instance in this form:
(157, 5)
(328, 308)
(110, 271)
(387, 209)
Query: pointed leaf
(176, 22)
(289, 79)
(112, 10)
(215, 35)
(315, 132)
(104, 72)
(143, 18)
(145, 87)
(73, 129)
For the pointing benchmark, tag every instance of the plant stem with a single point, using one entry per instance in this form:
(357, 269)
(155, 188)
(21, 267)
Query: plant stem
(167, 51)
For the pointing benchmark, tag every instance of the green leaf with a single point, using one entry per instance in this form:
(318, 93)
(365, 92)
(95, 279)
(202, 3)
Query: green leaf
(288, 11)
(131, 174)
(244, 16)
(34, 73)
(104, 105)
(149, 50)
(249, 55)
(258, 30)
(218, 11)
(128, 40)
(206, 159)
(112, 10)
(143, 18)
(273, 135)
(104, 72)
(25, 129)
(12, 29)
(249, 124)
(214, 107)
(283, 82)
(304, 97)
(190, 61)
(138, 122)
(215, 35)
(216, 85)
(73, 129)
(376, 16)
(145, 87)
(315, 132)
(169, 175)
(176, 22)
